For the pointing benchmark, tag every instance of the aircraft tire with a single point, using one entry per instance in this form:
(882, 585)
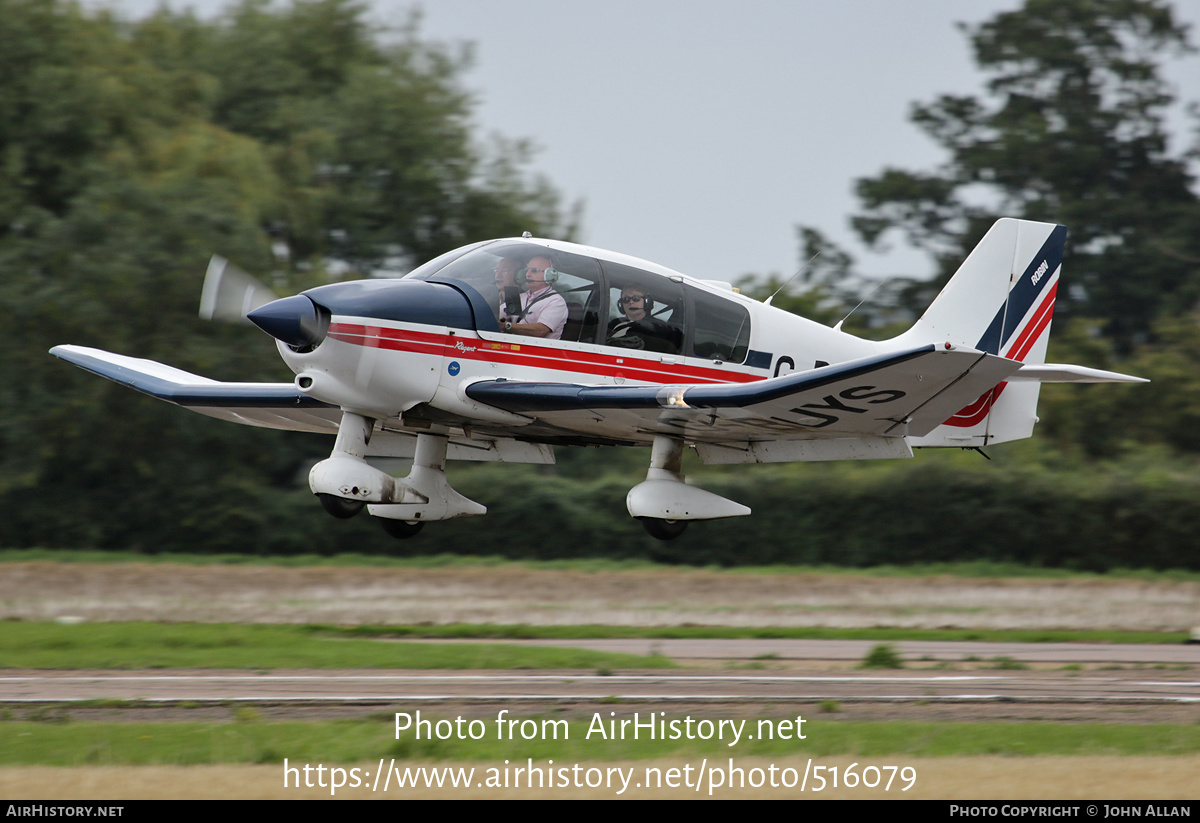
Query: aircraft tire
(340, 507)
(400, 529)
(663, 529)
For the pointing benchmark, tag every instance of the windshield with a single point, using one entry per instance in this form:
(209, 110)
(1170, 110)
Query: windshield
(427, 270)
(609, 303)
(497, 272)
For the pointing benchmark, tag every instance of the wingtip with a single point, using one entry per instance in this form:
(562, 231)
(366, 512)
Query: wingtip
(63, 351)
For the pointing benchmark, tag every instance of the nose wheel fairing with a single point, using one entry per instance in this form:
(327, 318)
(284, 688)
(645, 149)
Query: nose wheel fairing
(345, 480)
(426, 493)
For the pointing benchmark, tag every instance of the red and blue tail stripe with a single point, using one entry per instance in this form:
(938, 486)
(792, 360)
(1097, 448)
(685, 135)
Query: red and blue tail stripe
(1017, 325)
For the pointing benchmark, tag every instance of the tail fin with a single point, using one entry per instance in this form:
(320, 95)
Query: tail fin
(1000, 301)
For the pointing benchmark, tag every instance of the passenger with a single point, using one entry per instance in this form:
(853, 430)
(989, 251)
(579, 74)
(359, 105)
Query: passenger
(543, 310)
(639, 329)
(506, 286)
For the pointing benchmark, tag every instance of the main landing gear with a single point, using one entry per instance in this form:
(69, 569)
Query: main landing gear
(663, 529)
(665, 503)
(345, 483)
(400, 529)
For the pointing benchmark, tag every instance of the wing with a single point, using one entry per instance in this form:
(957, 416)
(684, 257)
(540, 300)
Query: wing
(871, 404)
(277, 406)
(269, 405)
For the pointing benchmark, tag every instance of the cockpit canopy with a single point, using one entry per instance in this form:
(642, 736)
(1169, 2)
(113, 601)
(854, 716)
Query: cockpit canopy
(610, 303)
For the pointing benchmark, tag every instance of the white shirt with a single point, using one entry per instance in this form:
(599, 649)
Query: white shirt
(547, 307)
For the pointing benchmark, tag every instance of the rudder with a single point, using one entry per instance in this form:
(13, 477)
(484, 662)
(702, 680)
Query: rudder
(1000, 301)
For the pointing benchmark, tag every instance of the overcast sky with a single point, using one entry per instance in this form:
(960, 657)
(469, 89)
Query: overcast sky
(698, 134)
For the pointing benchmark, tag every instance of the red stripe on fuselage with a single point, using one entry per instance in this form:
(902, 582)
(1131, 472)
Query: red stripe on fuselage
(382, 337)
(519, 352)
(977, 411)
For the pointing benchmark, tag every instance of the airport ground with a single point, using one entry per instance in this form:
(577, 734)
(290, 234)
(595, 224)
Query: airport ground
(511, 594)
(550, 594)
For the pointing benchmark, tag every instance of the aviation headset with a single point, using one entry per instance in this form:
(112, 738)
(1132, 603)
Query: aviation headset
(647, 303)
(551, 274)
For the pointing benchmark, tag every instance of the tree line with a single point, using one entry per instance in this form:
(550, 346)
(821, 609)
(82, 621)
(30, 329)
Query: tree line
(1071, 129)
(280, 136)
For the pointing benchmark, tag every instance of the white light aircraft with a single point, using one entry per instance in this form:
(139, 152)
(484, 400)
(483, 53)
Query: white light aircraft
(447, 364)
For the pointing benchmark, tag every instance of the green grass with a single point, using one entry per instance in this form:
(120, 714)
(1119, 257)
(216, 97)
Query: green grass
(882, 656)
(249, 740)
(227, 646)
(32, 645)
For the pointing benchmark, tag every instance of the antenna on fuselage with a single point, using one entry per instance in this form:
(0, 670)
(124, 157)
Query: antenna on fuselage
(767, 302)
(882, 283)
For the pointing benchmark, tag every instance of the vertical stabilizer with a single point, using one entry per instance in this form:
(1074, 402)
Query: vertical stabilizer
(1000, 301)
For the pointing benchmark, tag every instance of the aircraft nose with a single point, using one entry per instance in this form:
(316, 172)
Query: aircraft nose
(297, 321)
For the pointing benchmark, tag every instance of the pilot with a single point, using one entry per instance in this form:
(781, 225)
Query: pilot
(543, 310)
(639, 329)
(506, 285)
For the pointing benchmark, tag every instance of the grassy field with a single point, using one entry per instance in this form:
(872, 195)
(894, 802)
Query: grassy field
(1085, 779)
(317, 613)
(58, 742)
(230, 646)
(31, 645)
(454, 597)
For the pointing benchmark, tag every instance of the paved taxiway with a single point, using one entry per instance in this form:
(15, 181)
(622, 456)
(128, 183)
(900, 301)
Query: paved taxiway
(1099, 673)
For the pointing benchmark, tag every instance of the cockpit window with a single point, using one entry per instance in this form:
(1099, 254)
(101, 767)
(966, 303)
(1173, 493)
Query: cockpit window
(613, 304)
(646, 311)
(496, 271)
(721, 329)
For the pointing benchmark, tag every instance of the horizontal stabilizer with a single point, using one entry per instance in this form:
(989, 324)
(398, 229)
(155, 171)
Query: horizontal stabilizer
(1065, 373)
